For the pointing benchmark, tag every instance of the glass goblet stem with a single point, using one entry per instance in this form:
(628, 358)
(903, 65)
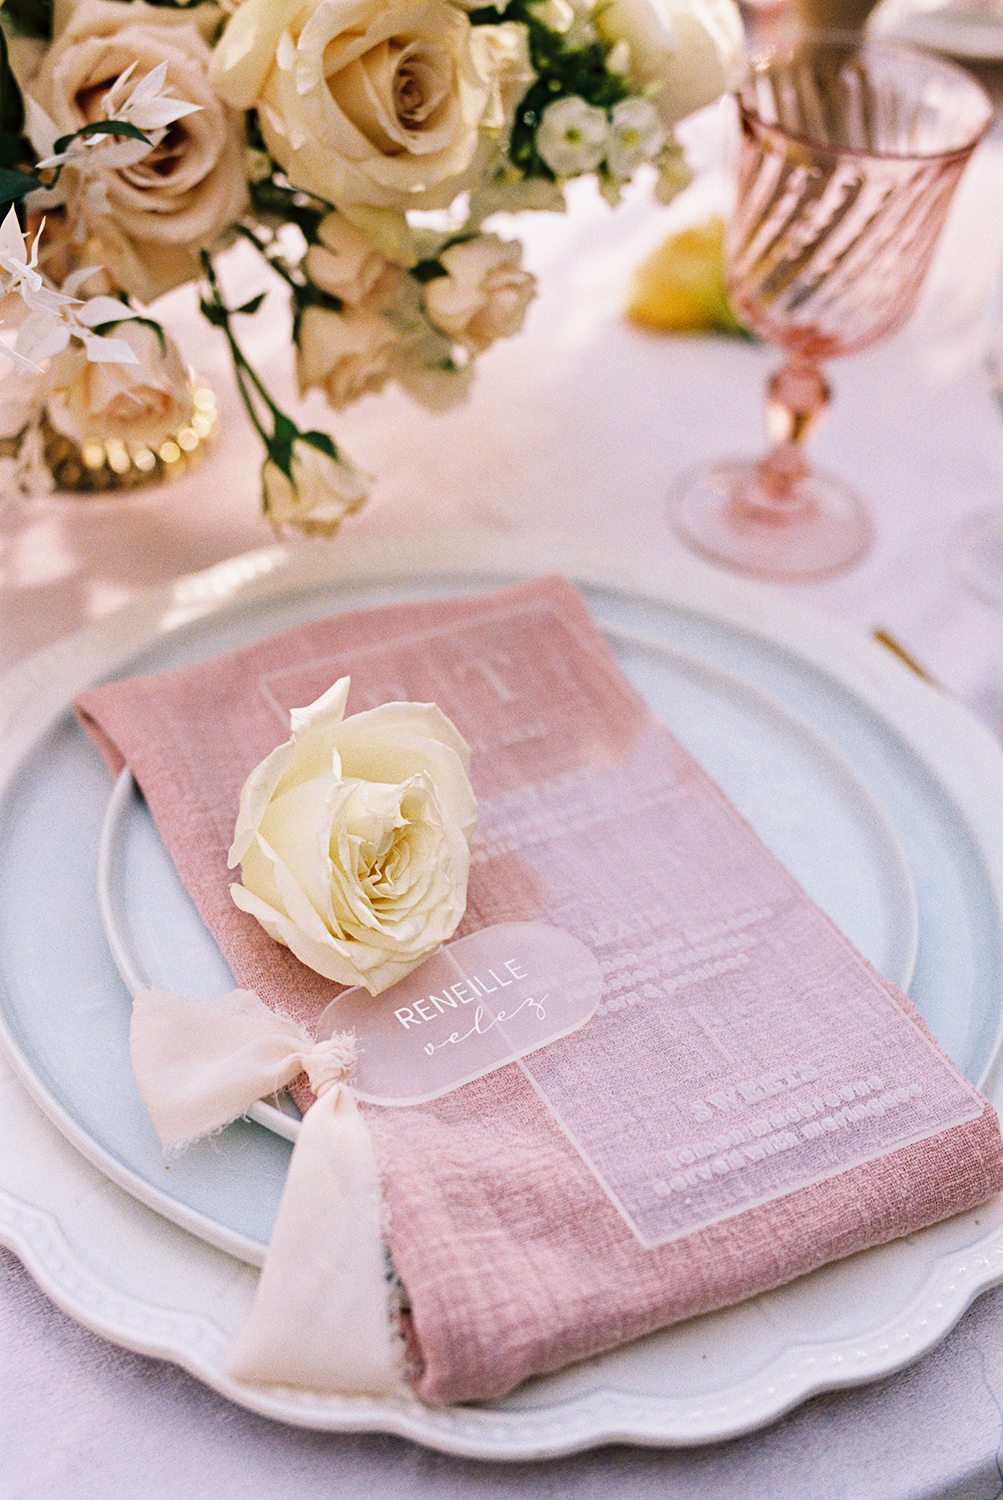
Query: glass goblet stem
(796, 397)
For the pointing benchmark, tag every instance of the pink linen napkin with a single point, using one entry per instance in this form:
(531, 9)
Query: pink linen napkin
(749, 1102)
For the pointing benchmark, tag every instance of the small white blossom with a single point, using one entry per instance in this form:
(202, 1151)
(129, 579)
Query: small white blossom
(619, 60)
(150, 106)
(582, 32)
(571, 136)
(39, 333)
(20, 268)
(636, 135)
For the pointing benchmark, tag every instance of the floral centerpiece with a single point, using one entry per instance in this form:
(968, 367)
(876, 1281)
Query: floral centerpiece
(360, 146)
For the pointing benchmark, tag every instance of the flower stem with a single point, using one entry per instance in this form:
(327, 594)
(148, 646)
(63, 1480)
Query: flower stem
(247, 377)
(275, 261)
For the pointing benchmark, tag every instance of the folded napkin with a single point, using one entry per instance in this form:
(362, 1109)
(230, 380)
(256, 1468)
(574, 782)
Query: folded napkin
(749, 1101)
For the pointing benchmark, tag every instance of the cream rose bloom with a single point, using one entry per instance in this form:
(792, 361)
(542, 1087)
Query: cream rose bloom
(147, 222)
(319, 493)
(484, 295)
(376, 105)
(353, 838)
(142, 403)
(344, 354)
(683, 53)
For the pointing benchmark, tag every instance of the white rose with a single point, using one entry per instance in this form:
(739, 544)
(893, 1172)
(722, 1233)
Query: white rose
(353, 838)
(684, 53)
(346, 264)
(344, 354)
(485, 294)
(320, 492)
(571, 136)
(149, 220)
(379, 105)
(142, 403)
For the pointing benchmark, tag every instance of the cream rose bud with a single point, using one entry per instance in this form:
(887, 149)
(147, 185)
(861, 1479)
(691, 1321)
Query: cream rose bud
(347, 265)
(684, 53)
(353, 838)
(369, 103)
(426, 369)
(142, 403)
(149, 220)
(319, 493)
(485, 293)
(344, 354)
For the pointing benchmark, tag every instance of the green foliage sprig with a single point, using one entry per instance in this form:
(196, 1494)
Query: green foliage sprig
(562, 71)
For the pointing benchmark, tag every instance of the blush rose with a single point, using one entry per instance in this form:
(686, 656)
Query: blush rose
(484, 294)
(149, 220)
(143, 402)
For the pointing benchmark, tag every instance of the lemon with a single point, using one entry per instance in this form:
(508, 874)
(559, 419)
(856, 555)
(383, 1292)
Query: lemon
(680, 287)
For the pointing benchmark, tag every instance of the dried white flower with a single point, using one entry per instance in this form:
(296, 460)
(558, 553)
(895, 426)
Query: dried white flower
(53, 317)
(149, 108)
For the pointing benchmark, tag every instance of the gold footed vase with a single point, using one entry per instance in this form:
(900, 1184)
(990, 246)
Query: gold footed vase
(104, 465)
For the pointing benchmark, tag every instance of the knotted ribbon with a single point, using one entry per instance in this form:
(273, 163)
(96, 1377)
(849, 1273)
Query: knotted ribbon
(322, 1315)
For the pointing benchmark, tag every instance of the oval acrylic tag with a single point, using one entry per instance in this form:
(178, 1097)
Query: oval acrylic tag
(472, 1007)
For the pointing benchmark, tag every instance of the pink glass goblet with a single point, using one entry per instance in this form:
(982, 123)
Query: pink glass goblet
(850, 152)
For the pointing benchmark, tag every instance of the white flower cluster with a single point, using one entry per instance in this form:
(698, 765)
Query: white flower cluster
(161, 131)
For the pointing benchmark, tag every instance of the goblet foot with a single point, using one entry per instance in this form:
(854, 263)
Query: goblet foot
(724, 512)
(978, 555)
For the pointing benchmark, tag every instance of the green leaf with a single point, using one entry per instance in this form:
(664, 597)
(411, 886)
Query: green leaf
(309, 295)
(286, 431)
(252, 305)
(101, 127)
(14, 185)
(14, 149)
(323, 441)
(214, 313)
(428, 270)
(11, 103)
(103, 329)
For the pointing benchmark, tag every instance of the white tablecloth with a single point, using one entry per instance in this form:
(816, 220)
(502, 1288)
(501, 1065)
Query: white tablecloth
(575, 430)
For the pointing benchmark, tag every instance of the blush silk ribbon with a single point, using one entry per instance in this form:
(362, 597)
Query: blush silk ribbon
(322, 1316)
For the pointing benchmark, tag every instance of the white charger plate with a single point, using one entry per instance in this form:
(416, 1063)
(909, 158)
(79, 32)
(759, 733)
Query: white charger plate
(903, 770)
